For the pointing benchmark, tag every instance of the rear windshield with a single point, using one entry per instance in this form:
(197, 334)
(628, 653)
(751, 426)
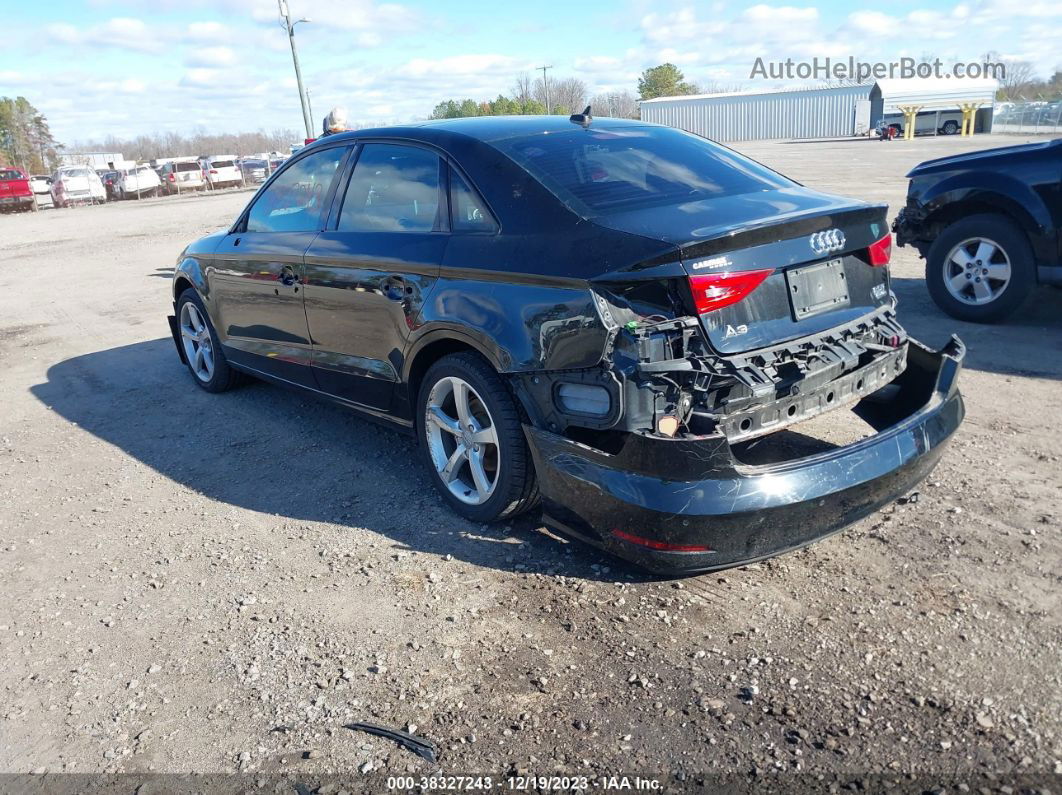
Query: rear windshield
(221, 163)
(8, 174)
(76, 172)
(187, 167)
(597, 172)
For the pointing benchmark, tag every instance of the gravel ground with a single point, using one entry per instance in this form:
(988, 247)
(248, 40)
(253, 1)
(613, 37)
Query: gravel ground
(219, 584)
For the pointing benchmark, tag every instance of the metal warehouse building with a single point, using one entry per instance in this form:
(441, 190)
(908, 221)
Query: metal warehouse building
(817, 112)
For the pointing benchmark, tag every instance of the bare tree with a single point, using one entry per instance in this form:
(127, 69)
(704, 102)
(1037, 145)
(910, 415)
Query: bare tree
(1018, 77)
(538, 92)
(715, 87)
(200, 142)
(569, 93)
(523, 89)
(617, 104)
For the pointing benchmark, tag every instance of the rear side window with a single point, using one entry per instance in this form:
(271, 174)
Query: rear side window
(293, 202)
(597, 172)
(468, 212)
(393, 188)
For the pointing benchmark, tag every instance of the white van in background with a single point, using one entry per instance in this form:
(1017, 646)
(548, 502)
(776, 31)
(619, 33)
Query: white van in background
(221, 171)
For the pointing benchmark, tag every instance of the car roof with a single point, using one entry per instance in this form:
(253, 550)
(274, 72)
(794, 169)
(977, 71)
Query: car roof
(487, 128)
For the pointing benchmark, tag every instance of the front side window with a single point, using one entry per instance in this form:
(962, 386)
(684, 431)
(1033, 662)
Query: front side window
(393, 188)
(294, 202)
(601, 171)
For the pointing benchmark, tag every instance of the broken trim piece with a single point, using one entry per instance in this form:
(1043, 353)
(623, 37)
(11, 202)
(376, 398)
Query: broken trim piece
(418, 745)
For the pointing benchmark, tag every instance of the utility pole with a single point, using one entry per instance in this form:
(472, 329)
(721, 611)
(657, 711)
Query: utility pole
(290, 27)
(545, 85)
(309, 102)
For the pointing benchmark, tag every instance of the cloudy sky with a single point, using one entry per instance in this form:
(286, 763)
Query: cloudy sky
(120, 67)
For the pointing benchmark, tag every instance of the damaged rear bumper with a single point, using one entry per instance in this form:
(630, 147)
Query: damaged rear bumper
(686, 504)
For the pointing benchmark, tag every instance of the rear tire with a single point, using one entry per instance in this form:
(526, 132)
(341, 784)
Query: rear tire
(966, 265)
(950, 127)
(202, 349)
(485, 473)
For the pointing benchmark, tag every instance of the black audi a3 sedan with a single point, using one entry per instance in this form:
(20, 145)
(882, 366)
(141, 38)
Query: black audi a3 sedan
(608, 318)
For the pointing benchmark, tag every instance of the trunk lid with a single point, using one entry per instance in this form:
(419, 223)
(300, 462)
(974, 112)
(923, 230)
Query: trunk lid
(801, 289)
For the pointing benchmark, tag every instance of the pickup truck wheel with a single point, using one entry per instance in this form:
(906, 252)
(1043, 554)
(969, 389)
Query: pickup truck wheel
(980, 268)
(950, 127)
(469, 428)
(202, 349)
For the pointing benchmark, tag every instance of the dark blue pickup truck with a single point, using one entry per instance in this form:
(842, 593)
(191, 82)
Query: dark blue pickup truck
(988, 225)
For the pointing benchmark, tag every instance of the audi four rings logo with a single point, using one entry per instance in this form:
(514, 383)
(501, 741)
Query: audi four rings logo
(825, 242)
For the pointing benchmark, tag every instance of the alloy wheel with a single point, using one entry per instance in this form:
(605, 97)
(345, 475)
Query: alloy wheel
(198, 344)
(977, 271)
(462, 440)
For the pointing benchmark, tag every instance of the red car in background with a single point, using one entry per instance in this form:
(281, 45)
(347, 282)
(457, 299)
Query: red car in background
(15, 190)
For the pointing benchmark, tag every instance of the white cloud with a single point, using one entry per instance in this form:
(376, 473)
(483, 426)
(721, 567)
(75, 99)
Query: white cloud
(123, 33)
(354, 15)
(207, 32)
(597, 64)
(873, 23)
(211, 57)
(459, 66)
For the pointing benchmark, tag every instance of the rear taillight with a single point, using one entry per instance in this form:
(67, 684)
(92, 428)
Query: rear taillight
(172, 177)
(713, 291)
(881, 251)
(213, 171)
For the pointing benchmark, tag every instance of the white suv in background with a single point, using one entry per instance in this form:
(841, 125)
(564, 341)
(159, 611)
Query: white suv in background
(221, 171)
(138, 181)
(77, 185)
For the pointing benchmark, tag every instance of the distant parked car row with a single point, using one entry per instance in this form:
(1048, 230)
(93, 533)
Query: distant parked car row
(74, 185)
(1030, 114)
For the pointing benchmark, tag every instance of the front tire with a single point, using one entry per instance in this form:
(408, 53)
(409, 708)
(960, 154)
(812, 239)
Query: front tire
(980, 269)
(950, 127)
(470, 431)
(202, 349)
